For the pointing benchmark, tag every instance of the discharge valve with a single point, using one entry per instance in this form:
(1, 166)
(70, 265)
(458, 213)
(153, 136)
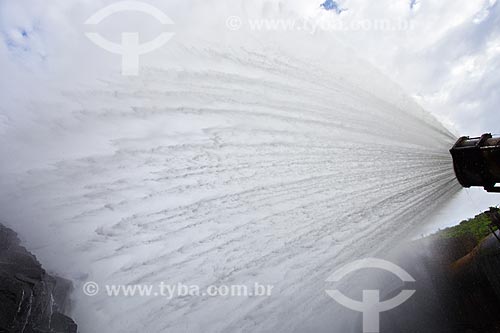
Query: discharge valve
(477, 161)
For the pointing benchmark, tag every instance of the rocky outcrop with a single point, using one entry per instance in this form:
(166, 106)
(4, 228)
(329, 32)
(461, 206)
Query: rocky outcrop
(31, 301)
(457, 284)
(477, 277)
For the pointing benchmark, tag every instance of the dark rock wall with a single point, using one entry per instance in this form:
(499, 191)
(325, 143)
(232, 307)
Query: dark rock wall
(457, 284)
(31, 301)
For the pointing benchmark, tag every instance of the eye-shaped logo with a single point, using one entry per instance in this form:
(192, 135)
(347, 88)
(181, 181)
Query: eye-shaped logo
(129, 49)
(371, 306)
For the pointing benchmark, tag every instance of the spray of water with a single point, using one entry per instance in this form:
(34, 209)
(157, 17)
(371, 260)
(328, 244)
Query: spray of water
(222, 164)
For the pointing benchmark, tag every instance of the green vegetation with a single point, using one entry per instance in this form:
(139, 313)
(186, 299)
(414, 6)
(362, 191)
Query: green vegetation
(476, 227)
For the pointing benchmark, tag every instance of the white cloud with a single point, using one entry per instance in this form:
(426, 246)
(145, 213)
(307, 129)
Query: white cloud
(449, 60)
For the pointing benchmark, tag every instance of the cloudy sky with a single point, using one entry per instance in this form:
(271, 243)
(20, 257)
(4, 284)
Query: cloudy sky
(448, 59)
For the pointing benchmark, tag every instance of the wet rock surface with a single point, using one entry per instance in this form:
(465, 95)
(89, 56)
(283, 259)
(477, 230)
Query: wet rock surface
(31, 301)
(457, 284)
